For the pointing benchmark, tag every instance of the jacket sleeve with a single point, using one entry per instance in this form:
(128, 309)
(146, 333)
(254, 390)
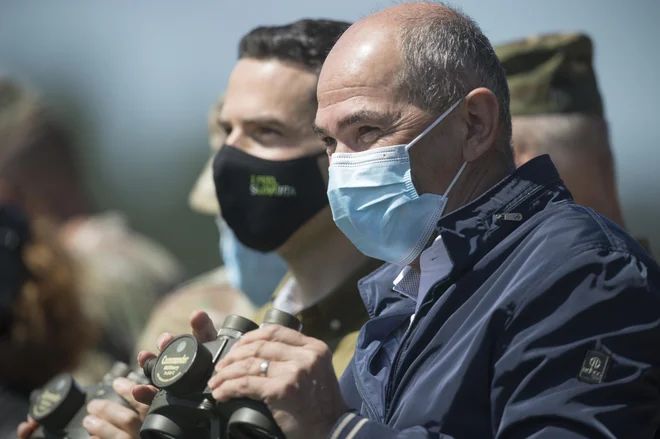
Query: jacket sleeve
(579, 356)
(354, 426)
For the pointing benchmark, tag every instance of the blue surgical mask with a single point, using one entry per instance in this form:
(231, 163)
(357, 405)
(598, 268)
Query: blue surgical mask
(375, 204)
(254, 273)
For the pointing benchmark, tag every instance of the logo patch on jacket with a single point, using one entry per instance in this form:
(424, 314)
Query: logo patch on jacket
(594, 367)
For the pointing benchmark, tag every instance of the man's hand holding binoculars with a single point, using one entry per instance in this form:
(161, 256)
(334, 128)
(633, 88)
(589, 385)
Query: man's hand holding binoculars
(290, 372)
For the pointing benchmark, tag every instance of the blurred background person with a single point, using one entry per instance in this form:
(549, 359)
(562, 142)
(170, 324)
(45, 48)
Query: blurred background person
(119, 273)
(43, 329)
(557, 109)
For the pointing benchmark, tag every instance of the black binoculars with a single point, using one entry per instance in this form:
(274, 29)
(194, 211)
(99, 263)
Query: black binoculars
(60, 406)
(184, 406)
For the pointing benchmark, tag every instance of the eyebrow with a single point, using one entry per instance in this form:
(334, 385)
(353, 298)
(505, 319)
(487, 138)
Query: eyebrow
(270, 121)
(359, 117)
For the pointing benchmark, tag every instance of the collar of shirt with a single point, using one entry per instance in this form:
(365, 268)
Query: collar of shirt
(435, 264)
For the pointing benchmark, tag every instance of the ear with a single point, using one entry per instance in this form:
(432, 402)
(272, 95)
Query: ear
(482, 114)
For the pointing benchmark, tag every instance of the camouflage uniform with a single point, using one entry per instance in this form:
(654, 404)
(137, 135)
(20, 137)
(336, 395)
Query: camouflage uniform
(552, 74)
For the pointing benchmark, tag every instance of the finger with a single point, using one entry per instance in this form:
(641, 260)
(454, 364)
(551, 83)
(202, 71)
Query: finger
(120, 418)
(202, 326)
(266, 350)
(163, 340)
(144, 394)
(275, 333)
(27, 429)
(144, 356)
(103, 429)
(124, 388)
(248, 366)
(247, 386)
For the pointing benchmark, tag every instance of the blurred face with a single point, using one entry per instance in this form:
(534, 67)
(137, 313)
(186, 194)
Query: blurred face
(269, 109)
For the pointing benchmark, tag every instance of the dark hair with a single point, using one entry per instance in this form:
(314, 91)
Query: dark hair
(49, 332)
(445, 57)
(305, 42)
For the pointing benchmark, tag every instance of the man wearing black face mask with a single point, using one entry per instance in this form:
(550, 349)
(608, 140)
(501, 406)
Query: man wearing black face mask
(271, 179)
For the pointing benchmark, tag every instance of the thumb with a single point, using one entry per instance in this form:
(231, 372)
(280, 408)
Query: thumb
(202, 326)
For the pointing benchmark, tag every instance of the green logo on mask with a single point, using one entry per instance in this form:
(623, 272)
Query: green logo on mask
(267, 186)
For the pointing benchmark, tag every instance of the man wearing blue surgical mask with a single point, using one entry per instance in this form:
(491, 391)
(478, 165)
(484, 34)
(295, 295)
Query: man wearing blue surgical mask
(505, 309)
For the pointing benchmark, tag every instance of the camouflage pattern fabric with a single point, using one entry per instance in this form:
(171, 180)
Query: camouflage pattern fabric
(551, 74)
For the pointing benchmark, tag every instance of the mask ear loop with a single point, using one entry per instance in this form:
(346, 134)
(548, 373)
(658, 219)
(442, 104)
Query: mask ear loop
(433, 125)
(458, 174)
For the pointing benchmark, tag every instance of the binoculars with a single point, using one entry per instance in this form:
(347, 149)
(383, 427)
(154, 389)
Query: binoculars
(60, 406)
(184, 406)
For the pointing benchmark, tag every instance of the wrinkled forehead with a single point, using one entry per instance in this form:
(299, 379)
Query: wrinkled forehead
(269, 89)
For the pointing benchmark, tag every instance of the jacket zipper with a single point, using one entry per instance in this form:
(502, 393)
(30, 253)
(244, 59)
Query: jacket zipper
(405, 343)
(370, 410)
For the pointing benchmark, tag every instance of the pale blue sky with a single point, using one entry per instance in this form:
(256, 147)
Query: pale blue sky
(138, 78)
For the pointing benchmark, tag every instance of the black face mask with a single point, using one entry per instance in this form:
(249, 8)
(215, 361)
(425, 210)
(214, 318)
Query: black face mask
(264, 201)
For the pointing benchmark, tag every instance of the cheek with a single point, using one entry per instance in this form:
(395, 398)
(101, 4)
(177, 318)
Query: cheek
(435, 164)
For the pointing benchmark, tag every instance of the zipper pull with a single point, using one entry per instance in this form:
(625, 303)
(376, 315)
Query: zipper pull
(508, 217)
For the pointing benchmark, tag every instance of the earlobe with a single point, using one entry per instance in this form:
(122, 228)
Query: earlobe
(483, 123)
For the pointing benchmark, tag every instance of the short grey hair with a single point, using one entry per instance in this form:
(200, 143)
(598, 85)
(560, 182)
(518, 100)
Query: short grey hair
(445, 57)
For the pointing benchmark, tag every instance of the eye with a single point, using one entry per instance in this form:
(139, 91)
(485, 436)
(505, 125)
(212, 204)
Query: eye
(226, 127)
(329, 141)
(366, 129)
(267, 131)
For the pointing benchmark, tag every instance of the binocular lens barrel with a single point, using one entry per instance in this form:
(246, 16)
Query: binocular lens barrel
(277, 317)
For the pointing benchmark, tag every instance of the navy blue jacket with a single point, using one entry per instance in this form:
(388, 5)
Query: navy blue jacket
(547, 326)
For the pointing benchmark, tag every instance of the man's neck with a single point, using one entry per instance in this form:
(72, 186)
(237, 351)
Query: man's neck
(477, 179)
(323, 264)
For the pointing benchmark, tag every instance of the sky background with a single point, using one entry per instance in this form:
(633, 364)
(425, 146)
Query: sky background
(135, 81)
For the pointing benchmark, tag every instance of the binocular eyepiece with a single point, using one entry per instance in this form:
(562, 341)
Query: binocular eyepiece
(184, 406)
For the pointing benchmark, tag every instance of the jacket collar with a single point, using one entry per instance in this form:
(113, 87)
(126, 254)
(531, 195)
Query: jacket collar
(470, 232)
